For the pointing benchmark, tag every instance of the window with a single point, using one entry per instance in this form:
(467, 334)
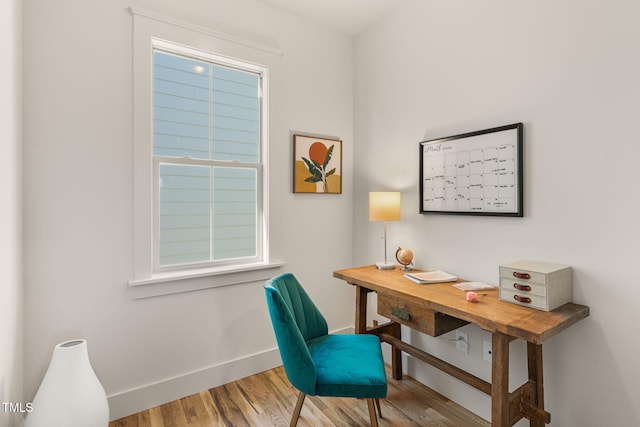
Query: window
(208, 166)
(200, 175)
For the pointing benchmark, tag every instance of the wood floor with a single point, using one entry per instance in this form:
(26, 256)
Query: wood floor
(267, 399)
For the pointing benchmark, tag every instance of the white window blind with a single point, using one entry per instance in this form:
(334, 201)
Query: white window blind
(207, 158)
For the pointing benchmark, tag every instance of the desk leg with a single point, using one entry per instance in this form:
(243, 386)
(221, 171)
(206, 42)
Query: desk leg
(361, 328)
(534, 363)
(500, 380)
(396, 363)
(361, 310)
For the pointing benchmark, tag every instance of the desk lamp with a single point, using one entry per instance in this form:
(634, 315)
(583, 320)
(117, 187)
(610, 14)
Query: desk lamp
(384, 206)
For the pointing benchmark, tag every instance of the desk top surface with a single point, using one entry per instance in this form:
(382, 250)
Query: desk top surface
(490, 313)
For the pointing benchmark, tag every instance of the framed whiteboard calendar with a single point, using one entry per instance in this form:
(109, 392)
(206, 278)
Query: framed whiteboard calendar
(475, 173)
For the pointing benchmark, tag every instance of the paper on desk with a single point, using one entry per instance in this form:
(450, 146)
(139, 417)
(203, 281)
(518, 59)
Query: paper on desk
(473, 286)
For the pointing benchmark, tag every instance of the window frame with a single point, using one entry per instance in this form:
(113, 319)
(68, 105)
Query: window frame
(148, 280)
(260, 167)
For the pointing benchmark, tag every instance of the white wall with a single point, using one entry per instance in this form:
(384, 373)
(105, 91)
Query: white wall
(11, 309)
(78, 201)
(568, 70)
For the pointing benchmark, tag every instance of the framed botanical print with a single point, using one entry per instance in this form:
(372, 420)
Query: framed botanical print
(317, 165)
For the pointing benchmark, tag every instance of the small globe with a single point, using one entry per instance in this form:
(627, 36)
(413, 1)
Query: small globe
(404, 256)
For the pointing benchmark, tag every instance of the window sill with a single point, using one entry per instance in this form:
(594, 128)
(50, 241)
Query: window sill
(193, 280)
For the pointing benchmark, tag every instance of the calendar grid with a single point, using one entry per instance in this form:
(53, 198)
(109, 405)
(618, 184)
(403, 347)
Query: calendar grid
(480, 172)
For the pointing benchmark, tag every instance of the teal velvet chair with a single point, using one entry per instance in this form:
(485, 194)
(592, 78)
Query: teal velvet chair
(317, 363)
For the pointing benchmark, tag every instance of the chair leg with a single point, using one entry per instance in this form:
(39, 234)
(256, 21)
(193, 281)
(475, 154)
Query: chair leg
(372, 412)
(296, 411)
(378, 408)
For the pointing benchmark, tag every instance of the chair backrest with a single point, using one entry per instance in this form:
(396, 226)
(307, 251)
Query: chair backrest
(295, 320)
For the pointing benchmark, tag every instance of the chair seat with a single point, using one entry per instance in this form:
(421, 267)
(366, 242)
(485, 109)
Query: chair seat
(348, 366)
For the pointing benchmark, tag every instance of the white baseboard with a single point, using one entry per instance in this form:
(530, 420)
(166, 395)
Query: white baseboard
(148, 396)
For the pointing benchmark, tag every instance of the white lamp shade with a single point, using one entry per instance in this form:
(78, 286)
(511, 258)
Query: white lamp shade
(70, 394)
(384, 206)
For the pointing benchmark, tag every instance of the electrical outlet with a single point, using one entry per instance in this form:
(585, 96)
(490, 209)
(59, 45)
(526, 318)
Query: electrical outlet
(462, 342)
(487, 350)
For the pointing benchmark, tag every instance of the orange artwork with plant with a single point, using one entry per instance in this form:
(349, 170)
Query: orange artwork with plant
(315, 173)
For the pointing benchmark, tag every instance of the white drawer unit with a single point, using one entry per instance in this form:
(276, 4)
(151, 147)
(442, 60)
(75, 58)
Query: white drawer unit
(535, 284)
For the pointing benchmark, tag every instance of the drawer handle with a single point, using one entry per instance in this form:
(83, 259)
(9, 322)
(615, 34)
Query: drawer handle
(524, 300)
(400, 313)
(525, 276)
(520, 287)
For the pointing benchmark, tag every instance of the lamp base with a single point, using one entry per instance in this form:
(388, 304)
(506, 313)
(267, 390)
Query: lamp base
(385, 265)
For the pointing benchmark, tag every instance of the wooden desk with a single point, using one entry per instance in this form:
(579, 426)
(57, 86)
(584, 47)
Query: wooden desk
(439, 308)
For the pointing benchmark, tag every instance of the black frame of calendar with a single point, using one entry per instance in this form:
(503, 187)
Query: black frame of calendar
(518, 209)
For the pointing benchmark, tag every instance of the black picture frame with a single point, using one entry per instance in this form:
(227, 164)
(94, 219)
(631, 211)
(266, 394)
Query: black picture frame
(474, 173)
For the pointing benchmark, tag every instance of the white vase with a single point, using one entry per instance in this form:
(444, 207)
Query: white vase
(70, 394)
